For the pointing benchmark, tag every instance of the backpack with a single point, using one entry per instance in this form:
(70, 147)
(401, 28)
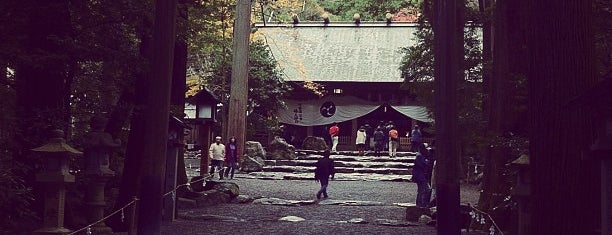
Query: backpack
(393, 134)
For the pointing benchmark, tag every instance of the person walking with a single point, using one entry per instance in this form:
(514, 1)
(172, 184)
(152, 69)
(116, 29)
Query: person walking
(324, 169)
(216, 153)
(379, 141)
(421, 176)
(416, 139)
(334, 131)
(361, 140)
(393, 141)
(231, 157)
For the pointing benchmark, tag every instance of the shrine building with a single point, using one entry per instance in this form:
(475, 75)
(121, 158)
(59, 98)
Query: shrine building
(356, 66)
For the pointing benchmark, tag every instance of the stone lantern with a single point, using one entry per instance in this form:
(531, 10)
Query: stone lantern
(54, 177)
(522, 191)
(98, 147)
(201, 110)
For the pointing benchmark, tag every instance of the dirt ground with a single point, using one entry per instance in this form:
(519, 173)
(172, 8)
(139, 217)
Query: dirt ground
(327, 219)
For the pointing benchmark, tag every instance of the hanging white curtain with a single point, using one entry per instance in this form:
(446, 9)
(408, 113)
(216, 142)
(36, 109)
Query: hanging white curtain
(325, 111)
(338, 109)
(418, 113)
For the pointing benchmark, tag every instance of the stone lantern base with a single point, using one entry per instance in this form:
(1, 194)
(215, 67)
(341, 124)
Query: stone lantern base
(95, 202)
(56, 230)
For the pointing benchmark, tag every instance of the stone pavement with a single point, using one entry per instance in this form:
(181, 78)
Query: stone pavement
(289, 207)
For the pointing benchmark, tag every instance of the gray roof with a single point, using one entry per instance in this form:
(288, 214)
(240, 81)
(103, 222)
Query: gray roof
(339, 52)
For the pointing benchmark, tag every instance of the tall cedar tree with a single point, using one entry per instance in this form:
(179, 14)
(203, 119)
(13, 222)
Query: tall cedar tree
(565, 186)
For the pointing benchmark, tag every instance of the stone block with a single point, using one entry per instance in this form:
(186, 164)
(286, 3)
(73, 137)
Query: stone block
(186, 203)
(413, 212)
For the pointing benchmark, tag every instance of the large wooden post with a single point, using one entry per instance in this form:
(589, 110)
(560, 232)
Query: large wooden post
(156, 110)
(448, 41)
(240, 74)
(204, 138)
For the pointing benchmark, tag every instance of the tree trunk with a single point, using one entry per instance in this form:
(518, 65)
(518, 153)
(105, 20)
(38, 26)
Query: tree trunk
(448, 52)
(179, 85)
(497, 92)
(121, 113)
(157, 110)
(131, 105)
(565, 186)
(240, 74)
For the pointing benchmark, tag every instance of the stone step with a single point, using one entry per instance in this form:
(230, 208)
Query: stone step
(340, 164)
(338, 176)
(305, 169)
(314, 157)
(301, 152)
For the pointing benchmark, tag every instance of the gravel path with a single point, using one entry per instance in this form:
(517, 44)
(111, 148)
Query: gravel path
(326, 219)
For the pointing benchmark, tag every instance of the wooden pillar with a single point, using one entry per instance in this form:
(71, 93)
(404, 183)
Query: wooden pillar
(602, 150)
(204, 137)
(353, 130)
(309, 131)
(169, 206)
(448, 54)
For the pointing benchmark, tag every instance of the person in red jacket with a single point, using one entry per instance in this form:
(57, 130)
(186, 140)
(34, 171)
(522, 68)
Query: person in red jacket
(231, 157)
(334, 131)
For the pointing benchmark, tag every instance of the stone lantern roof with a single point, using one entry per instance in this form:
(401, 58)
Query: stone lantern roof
(57, 144)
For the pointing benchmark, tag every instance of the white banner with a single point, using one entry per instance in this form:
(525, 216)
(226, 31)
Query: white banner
(338, 109)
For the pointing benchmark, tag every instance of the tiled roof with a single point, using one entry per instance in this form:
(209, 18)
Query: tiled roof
(339, 52)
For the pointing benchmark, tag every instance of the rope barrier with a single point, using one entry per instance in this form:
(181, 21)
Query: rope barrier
(88, 227)
(173, 192)
(493, 229)
(185, 184)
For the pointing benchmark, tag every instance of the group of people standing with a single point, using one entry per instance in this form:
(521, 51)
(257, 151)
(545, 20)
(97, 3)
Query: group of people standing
(384, 137)
(223, 155)
(422, 173)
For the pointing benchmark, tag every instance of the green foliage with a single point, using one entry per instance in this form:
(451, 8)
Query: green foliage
(15, 195)
(283, 10)
(369, 10)
(266, 82)
(267, 87)
(417, 68)
(15, 199)
(97, 45)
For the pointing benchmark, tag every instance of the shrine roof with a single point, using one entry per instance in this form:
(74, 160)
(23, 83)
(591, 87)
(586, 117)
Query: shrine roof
(338, 52)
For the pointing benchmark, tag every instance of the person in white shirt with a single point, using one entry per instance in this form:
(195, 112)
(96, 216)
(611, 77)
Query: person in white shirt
(361, 140)
(216, 153)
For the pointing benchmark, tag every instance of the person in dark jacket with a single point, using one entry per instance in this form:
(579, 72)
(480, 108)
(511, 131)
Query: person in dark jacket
(324, 169)
(416, 139)
(421, 175)
(379, 141)
(231, 157)
(369, 131)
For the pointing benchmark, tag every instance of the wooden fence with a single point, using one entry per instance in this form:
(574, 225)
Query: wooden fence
(346, 143)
